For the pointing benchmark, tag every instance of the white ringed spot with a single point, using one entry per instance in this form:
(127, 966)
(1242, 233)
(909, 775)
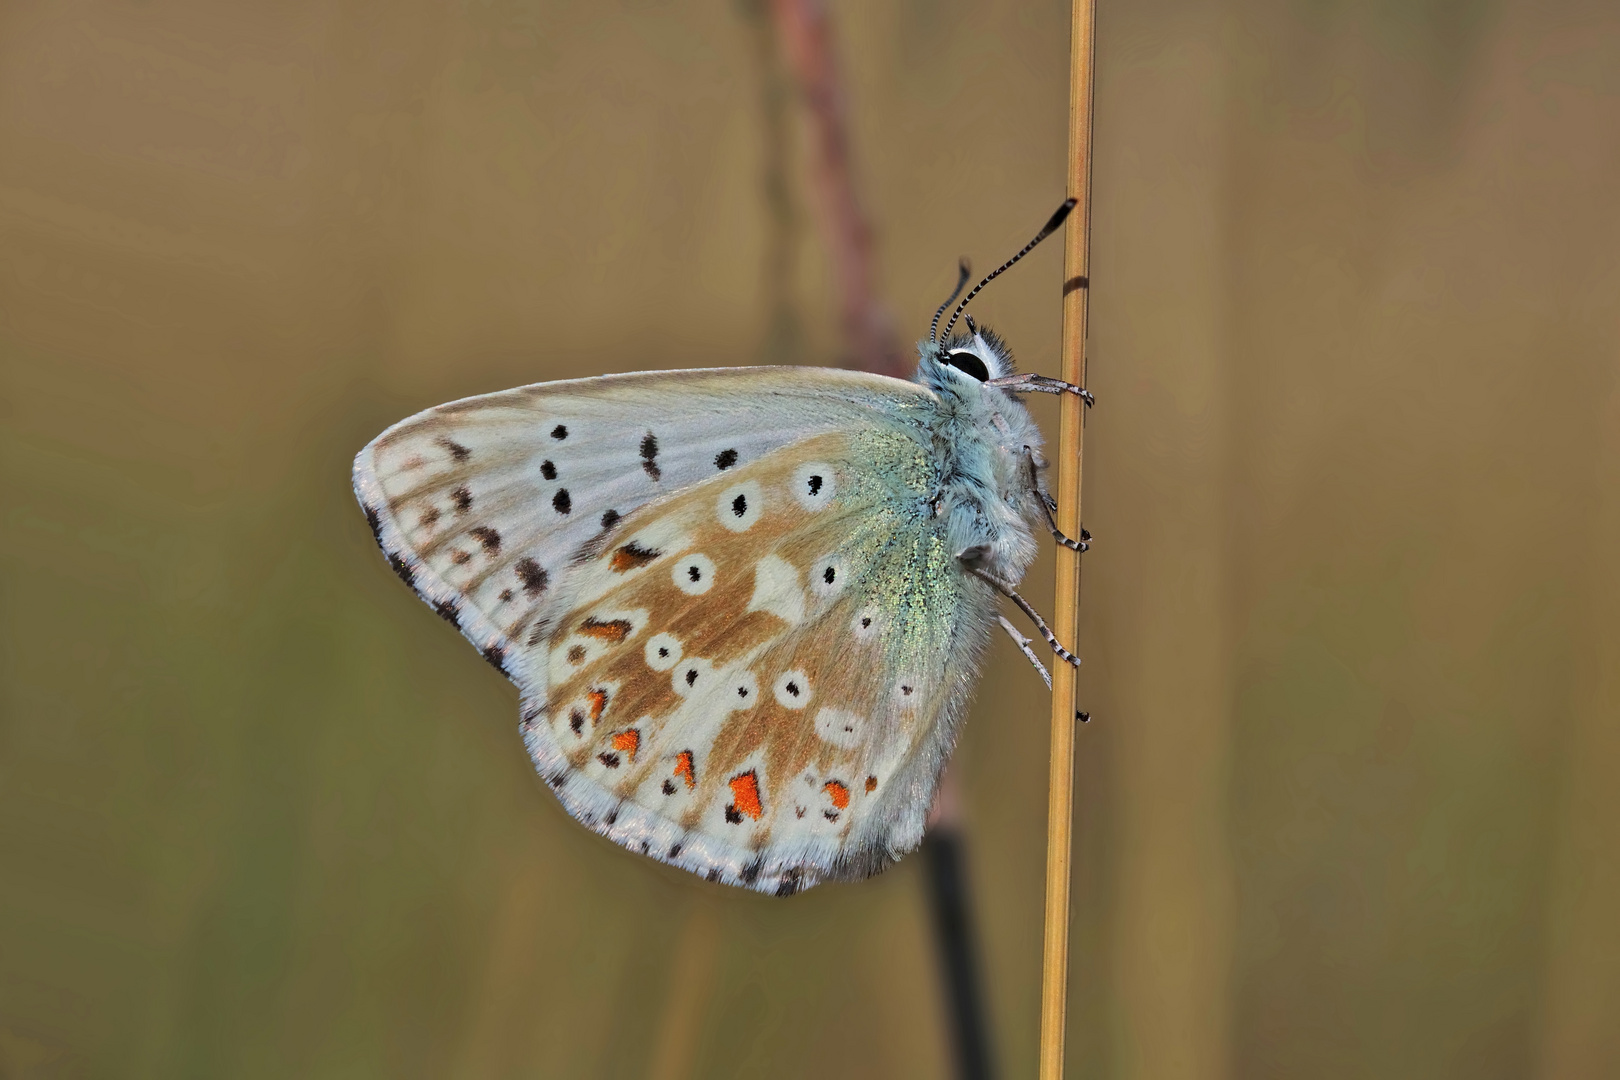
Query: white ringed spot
(740, 506)
(814, 485)
(840, 727)
(744, 691)
(692, 676)
(792, 689)
(866, 624)
(663, 651)
(827, 576)
(693, 574)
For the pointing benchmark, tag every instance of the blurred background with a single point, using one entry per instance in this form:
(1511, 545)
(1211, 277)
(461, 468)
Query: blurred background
(1351, 623)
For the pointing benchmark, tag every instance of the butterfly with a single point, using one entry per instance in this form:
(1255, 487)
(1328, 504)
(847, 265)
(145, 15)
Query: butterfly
(744, 607)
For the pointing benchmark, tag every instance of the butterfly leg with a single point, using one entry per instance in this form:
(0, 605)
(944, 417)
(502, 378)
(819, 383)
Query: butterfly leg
(1023, 646)
(1025, 606)
(1049, 504)
(1042, 384)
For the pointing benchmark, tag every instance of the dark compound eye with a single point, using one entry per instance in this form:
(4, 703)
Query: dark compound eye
(962, 360)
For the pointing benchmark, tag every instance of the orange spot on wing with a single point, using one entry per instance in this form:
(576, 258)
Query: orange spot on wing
(745, 794)
(683, 767)
(631, 556)
(598, 700)
(838, 793)
(628, 741)
(615, 630)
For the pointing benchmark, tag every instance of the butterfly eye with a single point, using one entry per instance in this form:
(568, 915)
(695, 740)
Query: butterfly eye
(967, 362)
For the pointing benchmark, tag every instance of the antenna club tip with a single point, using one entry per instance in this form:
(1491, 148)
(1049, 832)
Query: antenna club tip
(1062, 213)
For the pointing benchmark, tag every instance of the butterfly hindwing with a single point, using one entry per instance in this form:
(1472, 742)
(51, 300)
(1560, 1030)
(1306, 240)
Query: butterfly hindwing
(752, 681)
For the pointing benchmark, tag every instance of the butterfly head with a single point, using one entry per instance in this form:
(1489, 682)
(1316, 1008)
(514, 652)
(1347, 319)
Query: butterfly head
(961, 364)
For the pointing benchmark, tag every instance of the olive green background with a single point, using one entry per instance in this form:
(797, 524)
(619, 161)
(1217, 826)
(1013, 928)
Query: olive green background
(1348, 807)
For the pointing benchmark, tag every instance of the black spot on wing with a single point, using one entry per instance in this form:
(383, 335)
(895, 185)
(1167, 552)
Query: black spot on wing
(548, 470)
(457, 451)
(533, 575)
(402, 568)
(461, 499)
(448, 612)
(487, 537)
(561, 502)
(649, 455)
(497, 658)
(725, 459)
(750, 873)
(560, 432)
(610, 518)
(375, 521)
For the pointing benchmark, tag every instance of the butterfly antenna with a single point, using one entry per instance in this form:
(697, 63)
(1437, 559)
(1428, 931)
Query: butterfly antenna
(962, 272)
(1046, 230)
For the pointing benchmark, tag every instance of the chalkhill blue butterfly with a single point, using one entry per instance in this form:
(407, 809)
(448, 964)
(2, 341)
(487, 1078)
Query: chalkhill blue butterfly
(744, 607)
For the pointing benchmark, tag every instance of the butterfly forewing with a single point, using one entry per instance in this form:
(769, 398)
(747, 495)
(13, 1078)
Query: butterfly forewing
(482, 505)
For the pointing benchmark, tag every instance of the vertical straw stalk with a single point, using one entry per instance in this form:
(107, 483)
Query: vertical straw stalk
(1076, 290)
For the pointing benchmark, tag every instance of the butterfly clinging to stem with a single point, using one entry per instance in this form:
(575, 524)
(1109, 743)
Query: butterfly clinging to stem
(744, 607)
